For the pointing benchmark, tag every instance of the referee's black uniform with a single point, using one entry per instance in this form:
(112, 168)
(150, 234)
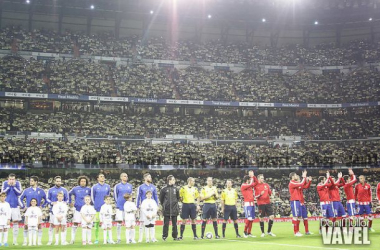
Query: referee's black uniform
(169, 199)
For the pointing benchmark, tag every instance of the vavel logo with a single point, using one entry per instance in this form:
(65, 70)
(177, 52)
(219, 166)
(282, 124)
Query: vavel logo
(345, 232)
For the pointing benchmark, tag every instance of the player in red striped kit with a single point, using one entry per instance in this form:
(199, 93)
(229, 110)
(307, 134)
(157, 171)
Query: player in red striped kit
(263, 193)
(324, 197)
(348, 188)
(295, 189)
(363, 197)
(303, 207)
(337, 205)
(249, 182)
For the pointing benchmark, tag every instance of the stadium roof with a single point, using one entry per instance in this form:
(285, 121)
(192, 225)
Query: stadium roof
(276, 12)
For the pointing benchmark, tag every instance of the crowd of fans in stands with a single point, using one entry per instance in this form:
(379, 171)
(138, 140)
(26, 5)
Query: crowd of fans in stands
(105, 153)
(356, 124)
(105, 44)
(78, 76)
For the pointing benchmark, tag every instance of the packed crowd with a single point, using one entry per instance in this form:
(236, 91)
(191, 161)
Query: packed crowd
(18, 74)
(105, 44)
(352, 125)
(62, 153)
(86, 77)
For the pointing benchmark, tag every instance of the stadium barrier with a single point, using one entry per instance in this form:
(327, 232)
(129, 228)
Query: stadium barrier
(76, 97)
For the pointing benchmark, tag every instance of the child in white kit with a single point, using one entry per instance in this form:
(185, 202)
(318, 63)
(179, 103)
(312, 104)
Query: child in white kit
(149, 212)
(129, 218)
(88, 214)
(59, 210)
(33, 216)
(5, 219)
(105, 217)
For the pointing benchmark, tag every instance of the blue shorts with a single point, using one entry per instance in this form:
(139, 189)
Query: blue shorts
(338, 209)
(303, 210)
(364, 209)
(230, 212)
(189, 210)
(327, 211)
(295, 206)
(249, 212)
(209, 211)
(350, 209)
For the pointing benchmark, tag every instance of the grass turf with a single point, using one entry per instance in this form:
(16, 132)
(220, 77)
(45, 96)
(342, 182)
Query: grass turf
(284, 240)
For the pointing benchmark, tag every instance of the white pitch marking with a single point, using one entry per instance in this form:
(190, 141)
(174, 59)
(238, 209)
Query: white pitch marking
(288, 245)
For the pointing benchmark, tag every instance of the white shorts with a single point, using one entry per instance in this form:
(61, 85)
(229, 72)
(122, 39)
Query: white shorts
(51, 218)
(77, 217)
(85, 224)
(15, 214)
(119, 216)
(148, 222)
(63, 221)
(31, 228)
(4, 226)
(130, 223)
(106, 225)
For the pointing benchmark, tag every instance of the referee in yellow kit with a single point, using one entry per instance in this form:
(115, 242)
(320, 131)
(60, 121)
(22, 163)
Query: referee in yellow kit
(229, 199)
(189, 196)
(209, 195)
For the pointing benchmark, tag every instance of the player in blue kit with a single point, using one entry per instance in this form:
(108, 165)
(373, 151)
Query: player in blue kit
(13, 190)
(33, 192)
(141, 195)
(51, 198)
(98, 191)
(79, 192)
(119, 191)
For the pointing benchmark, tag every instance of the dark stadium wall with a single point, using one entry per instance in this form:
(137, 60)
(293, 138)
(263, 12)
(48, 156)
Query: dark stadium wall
(210, 30)
(74, 23)
(45, 21)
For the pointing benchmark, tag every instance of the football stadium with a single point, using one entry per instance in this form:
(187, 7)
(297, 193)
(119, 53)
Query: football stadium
(185, 124)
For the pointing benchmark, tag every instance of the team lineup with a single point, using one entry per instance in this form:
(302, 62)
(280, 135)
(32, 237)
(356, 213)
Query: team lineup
(93, 207)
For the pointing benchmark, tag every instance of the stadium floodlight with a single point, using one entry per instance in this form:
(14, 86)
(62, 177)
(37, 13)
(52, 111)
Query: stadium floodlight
(263, 20)
(151, 12)
(92, 6)
(209, 16)
(370, 19)
(27, 1)
(316, 23)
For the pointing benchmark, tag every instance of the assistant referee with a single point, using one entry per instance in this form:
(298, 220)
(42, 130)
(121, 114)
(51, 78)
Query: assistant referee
(189, 196)
(229, 200)
(209, 196)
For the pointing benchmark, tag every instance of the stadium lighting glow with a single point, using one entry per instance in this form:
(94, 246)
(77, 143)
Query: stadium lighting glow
(27, 1)
(92, 6)
(263, 20)
(151, 12)
(209, 16)
(316, 22)
(370, 19)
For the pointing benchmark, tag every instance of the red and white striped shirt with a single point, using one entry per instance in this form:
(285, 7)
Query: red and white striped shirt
(334, 190)
(247, 190)
(295, 189)
(305, 186)
(363, 193)
(349, 188)
(323, 190)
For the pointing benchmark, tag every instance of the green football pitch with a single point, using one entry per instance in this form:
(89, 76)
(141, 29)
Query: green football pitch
(284, 240)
